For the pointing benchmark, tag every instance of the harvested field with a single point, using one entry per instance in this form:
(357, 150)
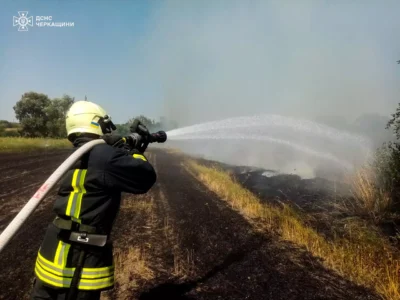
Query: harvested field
(179, 241)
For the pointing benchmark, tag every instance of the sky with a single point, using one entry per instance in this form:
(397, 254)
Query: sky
(195, 61)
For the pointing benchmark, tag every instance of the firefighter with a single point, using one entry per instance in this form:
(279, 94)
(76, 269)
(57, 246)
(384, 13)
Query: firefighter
(77, 242)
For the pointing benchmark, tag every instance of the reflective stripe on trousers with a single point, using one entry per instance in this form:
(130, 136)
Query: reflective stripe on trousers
(91, 278)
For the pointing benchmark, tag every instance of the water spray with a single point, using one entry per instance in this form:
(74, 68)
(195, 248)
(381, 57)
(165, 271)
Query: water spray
(273, 121)
(311, 138)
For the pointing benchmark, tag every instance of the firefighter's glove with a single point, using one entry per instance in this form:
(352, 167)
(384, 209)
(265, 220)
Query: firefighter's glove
(115, 140)
(138, 142)
(139, 128)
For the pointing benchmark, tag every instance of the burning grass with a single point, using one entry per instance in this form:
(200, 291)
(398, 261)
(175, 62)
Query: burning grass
(363, 255)
(19, 144)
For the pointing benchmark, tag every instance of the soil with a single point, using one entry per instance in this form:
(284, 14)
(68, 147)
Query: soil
(191, 244)
(21, 175)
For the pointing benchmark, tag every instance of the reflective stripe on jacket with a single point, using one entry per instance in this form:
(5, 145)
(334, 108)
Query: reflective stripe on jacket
(90, 194)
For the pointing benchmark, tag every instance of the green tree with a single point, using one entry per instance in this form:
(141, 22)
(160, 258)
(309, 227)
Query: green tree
(394, 123)
(56, 112)
(2, 129)
(30, 111)
(10, 133)
(5, 124)
(122, 129)
(387, 161)
(41, 117)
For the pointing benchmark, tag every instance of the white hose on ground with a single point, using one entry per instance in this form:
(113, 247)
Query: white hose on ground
(29, 207)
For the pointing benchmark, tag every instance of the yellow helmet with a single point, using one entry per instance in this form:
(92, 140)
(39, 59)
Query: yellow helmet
(88, 117)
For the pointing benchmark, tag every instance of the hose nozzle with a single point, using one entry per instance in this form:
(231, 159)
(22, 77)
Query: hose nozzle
(159, 137)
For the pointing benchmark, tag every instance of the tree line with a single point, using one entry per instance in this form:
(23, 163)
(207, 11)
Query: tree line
(40, 116)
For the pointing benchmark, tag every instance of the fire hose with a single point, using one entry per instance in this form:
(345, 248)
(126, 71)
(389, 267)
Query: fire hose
(29, 207)
(41, 193)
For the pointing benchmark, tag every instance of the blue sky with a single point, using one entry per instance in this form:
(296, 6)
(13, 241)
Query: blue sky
(204, 60)
(93, 58)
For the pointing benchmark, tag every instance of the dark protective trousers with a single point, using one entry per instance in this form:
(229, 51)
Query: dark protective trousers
(42, 292)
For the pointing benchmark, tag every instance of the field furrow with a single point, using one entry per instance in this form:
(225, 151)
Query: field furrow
(179, 241)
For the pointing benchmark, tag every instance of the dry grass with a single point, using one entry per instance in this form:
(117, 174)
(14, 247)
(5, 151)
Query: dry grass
(131, 266)
(183, 263)
(368, 198)
(138, 205)
(18, 144)
(363, 257)
(173, 151)
(11, 129)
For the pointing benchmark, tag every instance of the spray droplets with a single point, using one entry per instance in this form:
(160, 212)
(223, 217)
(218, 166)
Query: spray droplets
(314, 139)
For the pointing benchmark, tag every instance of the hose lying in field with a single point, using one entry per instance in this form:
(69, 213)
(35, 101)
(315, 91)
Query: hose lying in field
(29, 207)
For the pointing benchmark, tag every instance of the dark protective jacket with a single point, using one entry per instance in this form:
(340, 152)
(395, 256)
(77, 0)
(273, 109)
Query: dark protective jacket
(90, 194)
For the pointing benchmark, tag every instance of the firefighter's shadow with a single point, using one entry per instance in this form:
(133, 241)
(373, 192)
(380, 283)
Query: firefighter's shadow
(177, 291)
